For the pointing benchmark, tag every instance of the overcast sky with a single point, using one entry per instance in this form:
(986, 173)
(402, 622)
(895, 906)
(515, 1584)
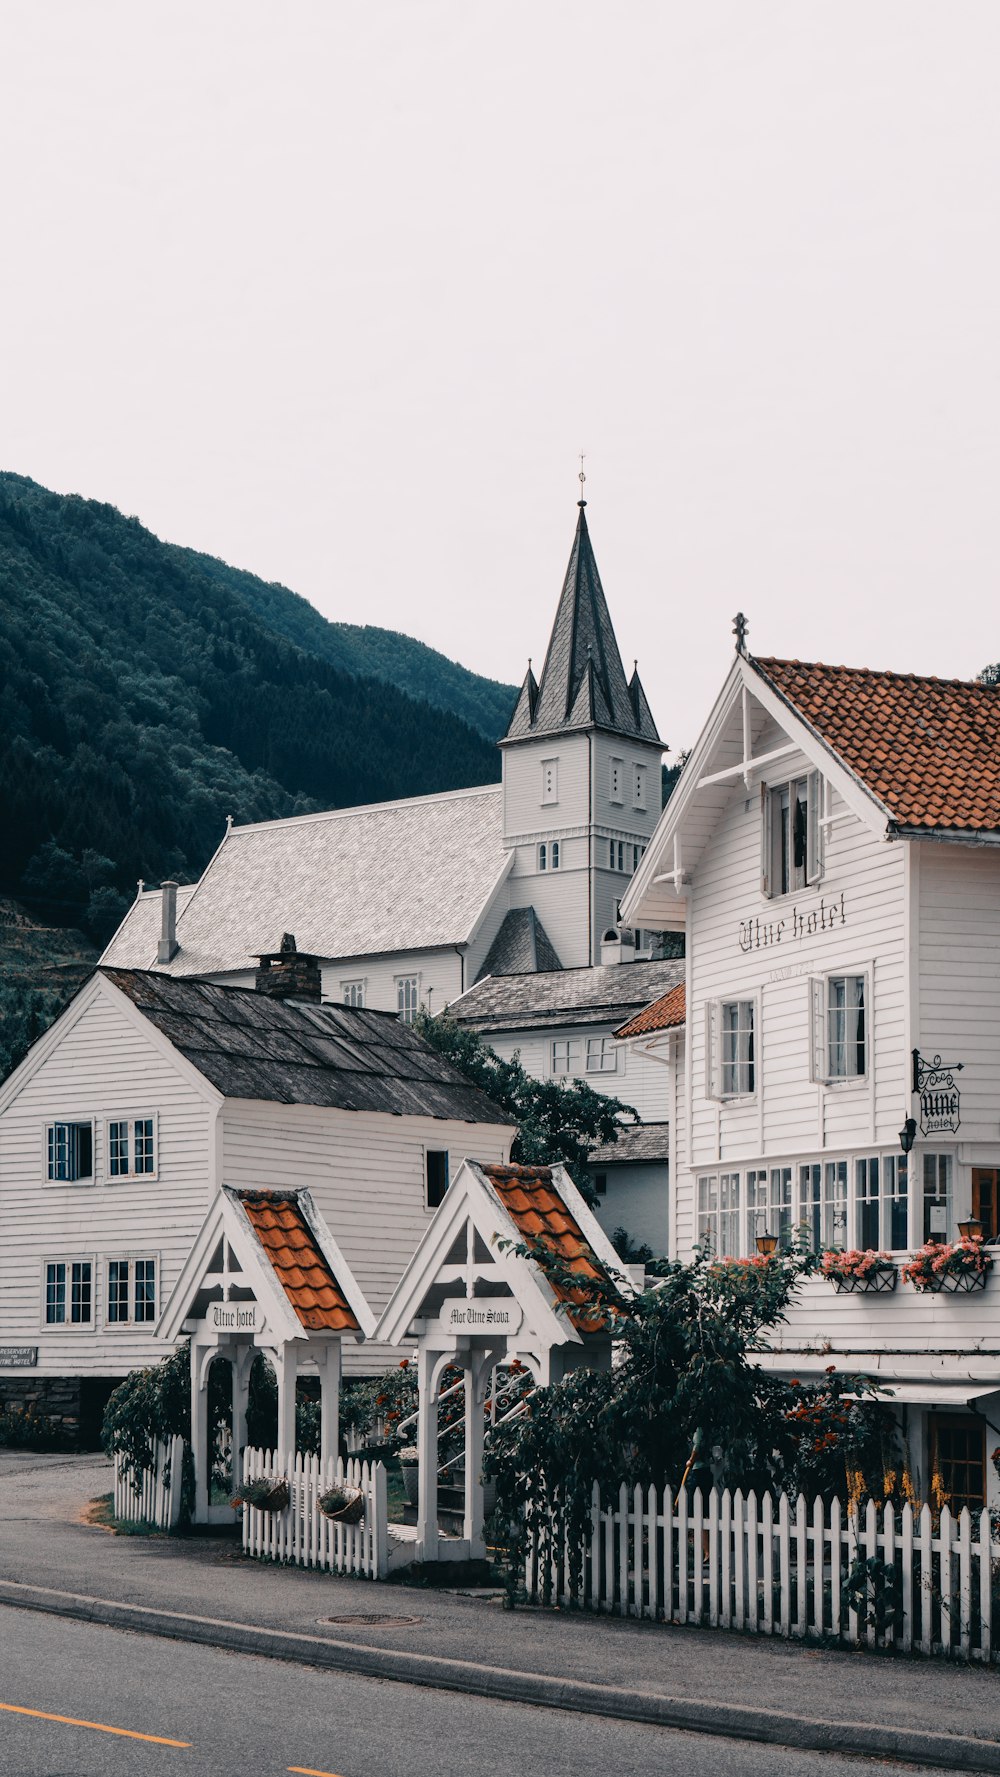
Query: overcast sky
(339, 292)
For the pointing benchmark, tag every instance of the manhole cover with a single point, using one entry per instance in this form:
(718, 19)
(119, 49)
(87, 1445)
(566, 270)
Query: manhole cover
(372, 1620)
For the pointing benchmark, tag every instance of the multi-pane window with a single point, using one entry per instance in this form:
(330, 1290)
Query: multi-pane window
(353, 993)
(791, 835)
(602, 1055)
(846, 1028)
(736, 1018)
(407, 997)
(543, 855)
(131, 1147)
(986, 1199)
(70, 1152)
(131, 1291)
(616, 780)
(554, 854)
(118, 1291)
(823, 1202)
(719, 1214)
(637, 851)
(881, 1201)
(937, 1177)
(769, 1204)
(565, 1056)
(437, 1176)
(548, 854)
(69, 1292)
(617, 854)
(958, 1452)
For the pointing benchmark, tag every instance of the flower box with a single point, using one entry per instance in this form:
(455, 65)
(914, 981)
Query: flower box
(266, 1493)
(876, 1282)
(938, 1266)
(856, 1270)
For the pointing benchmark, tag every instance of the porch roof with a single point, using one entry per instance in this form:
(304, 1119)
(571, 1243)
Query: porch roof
(301, 1267)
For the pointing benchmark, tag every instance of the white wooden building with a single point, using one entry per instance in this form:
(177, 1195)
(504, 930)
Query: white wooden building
(832, 853)
(148, 1095)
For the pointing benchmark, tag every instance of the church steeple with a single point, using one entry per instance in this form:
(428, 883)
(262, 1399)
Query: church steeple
(583, 684)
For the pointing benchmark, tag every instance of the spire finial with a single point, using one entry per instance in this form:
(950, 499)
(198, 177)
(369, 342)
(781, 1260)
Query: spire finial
(582, 479)
(740, 627)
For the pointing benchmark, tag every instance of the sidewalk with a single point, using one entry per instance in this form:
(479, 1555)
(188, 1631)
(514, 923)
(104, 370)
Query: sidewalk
(44, 1544)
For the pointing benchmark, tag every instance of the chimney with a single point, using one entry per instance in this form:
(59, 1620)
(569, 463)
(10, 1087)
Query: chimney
(617, 946)
(290, 974)
(168, 946)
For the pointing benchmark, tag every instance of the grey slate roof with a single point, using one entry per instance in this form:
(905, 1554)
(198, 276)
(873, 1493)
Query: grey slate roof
(408, 875)
(638, 1144)
(565, 996)
(583, 682)
(521, 946)
(288, 1052)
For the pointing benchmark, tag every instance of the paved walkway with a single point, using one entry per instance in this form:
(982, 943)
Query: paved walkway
(43, 1542)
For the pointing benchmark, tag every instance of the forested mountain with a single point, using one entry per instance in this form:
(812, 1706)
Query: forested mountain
(146, 692)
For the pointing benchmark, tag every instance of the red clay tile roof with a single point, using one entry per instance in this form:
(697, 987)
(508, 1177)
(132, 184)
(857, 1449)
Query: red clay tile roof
(535, 1206)
(666, 1013)
(929, 749)
(299, 1266)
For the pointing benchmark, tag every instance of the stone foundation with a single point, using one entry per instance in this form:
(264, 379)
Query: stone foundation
(73, 1405)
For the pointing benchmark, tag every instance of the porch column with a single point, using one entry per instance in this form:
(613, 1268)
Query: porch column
(199, 1434)
(242, 1359)
(427, 1451)
(328, 1359)
(288, 1365)
(476, 1363)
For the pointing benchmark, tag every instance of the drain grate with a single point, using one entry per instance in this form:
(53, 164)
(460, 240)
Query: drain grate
(373, 1619)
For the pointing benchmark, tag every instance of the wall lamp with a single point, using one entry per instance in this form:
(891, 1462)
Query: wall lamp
(908, 1134)
(972, 1229)
(767, 1245)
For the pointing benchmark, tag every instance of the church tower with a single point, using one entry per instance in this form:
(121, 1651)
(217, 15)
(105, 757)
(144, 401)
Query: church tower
(581, 772)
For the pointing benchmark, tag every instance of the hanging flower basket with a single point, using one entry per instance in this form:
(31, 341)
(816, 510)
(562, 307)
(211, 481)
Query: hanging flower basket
(344, 1505)
(266, 1493)
(856, 1270)
(939, 1266)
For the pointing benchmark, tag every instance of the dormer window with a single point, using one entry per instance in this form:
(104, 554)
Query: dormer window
(550, 780)
(790, 839)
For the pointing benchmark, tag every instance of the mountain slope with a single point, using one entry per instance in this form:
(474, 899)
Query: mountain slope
(142, 700)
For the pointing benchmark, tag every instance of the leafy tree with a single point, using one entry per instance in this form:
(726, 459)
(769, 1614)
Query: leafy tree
(557, 1120)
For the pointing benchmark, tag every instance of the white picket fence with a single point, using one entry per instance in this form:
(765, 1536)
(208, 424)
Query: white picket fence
(301, 1534)
(777, 1567)
(157, 1499)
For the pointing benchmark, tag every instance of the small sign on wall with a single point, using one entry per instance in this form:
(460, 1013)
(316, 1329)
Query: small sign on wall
(482, 1318)
(233, 1317)
(18, 1357)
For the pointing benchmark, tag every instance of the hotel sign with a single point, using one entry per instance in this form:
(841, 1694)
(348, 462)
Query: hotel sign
(940, 1098)
(481, 1318)
(18, 1357)
(233, 1317)
(766, 934)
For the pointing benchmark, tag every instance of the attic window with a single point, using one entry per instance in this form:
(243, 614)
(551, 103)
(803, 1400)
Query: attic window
(790, 840)
(70, 1150)
(437, 1176)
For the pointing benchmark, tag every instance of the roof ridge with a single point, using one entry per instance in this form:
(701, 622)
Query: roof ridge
(329, 814)
(870, 672)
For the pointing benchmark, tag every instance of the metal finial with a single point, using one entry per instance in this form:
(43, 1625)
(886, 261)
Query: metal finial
(740, 627)
(582, 479)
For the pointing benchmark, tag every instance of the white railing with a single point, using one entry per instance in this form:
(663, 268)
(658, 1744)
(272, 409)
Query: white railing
(157, 1498)
(301, 1533)
(776, 1566)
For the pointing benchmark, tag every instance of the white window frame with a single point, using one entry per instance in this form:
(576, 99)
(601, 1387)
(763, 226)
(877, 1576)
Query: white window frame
(572, 1048)
(555, 854)
(824, 1207)
(550, 781)
(130, 1320)
(881, 1183)
(799, 876)
(543, 855)
(354, 985)
(616, 781)
(401, 987)
(68, 1325)
(130, 1176)
(598, 1051)
(715, 1064)
(639, 786)
(53, 1123)
(820, 1018)
(943, 1164)
(719, 1214)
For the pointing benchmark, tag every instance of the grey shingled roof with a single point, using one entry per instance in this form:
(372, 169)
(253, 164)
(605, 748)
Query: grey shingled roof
(521, 946)
(583, 682)
(600, 995)
(288, 1052)
(408, 875)
(638, 1144)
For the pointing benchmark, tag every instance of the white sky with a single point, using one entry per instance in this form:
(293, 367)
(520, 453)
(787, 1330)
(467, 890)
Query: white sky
(338, 292)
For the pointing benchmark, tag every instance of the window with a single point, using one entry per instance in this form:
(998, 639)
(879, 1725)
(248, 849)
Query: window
(550, 780)
(846, 1041)
(543, 856)
(736, 1018)
(881, 1201)
(637, 851)
(958, 1460)
(616, 780)
(638, 786)
(719, 1214)
(437, 1176)
(565, 1056)
(616, 854)
(352, 993)
(131, 1292)
(407, 997)
(790, 840)
(548, 854)
(70, 1149)
(554, 854)
(937, 1196)
(69, 1292)
(823, 1202)
(602, 1055)
(131, 1147)
(601, 1183)
(769, 1204)
(985, 1195)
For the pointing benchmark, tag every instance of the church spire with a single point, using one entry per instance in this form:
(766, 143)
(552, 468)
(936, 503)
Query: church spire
(583, 683)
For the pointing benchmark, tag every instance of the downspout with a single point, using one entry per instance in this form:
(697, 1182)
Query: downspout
(460, 953)
(591, 883)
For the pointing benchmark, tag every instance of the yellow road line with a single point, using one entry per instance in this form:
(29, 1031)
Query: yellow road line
(101, 1727)
(307, 1771)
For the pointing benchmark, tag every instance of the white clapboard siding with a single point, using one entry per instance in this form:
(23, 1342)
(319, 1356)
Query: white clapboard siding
(439, 973)
(560, 898)
(154, 1495)
(776, 1566)
(523, 809)
(367, 1173)
(301, 1534)
(957, 896)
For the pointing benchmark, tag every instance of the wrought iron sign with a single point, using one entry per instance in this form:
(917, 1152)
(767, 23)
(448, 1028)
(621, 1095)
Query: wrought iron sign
(940, 1098)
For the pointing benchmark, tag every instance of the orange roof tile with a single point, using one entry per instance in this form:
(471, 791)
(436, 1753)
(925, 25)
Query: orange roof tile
(299, 1266)
(533, 1203)
(666, 1013)
(928, 749)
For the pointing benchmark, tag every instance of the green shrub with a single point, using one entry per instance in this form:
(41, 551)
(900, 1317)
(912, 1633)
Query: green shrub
(21, 1428)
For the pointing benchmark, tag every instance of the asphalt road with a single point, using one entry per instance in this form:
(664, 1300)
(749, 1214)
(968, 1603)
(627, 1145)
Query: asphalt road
(198, 1712)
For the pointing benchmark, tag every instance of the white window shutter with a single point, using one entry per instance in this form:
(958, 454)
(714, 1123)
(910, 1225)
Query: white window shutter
(814, 832)
(712, 1071)
(765, 840)
(817, 1028)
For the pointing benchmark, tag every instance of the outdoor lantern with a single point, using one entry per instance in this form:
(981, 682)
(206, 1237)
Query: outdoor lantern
(907, 1134)
(972, 1229)
(767, 1244)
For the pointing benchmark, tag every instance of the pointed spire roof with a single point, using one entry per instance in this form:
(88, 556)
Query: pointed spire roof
(583, 682)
